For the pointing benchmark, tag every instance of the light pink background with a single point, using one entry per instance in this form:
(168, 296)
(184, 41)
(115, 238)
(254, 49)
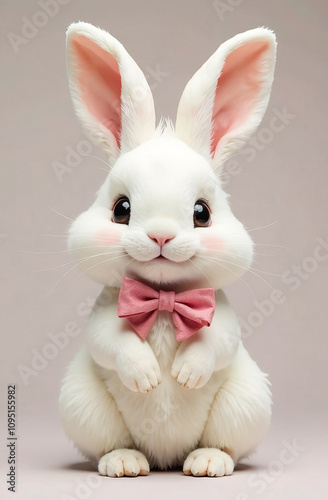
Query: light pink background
(284, 188)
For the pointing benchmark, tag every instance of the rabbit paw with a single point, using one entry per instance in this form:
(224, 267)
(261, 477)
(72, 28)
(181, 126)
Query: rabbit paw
(208, 462)
(140, 373)
(123, 462)
(192, 366)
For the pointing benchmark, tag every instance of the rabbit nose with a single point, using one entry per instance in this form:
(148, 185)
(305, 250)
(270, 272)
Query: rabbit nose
(160, 240)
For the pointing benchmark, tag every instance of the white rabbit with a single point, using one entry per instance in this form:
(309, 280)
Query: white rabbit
(162, 219)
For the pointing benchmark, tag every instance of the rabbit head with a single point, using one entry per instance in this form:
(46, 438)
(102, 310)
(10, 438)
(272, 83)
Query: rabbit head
(161, 215)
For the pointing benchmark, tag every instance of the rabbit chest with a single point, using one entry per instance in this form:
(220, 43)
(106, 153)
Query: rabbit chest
(167, 422)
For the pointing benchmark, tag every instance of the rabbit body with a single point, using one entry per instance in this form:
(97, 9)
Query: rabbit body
(163, 219)
(170, 421)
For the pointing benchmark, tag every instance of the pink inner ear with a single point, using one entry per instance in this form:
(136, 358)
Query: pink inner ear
(237, 90)
(99, 81)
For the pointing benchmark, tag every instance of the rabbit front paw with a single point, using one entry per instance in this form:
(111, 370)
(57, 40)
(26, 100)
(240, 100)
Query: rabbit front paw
(124, 462)
(208, 462)
(192, 366)
(140, 373)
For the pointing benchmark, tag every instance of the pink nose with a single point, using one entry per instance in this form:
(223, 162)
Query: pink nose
(160, 240)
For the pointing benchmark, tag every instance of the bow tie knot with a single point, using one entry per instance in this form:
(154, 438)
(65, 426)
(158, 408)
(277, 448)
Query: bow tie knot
(191, 310)
(166, 301)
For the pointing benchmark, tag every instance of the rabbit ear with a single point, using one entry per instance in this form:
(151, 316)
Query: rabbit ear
(110, 93)
(224, 102)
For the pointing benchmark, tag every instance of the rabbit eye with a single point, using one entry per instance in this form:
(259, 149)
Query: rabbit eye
(202, 215)
(122, 210)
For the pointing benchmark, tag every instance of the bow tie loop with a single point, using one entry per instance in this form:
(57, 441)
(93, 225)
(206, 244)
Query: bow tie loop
(191, 310)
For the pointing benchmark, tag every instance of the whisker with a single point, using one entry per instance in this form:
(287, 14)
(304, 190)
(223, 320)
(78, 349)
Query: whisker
(240, 243)
(68, 250)
(243, 267)
(238, 254)
(248, 270)
(73, 267)
(131, 260)
(203, 272)
(61, 215)
(234, 254)
(230, 270)
(262, 227)
(106, 163)
(99, 159)
(101, 263)
(82, 259)
(222, 162)
(61, 279)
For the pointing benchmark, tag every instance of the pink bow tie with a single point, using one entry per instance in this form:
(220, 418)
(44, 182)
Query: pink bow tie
(190, 310)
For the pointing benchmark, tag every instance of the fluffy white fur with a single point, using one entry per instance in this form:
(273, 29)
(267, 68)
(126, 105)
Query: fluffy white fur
(138, 113)
(195, 109)
(131, 404)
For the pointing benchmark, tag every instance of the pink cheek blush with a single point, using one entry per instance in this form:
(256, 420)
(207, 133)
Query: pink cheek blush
(109, 236)
(212, 242)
